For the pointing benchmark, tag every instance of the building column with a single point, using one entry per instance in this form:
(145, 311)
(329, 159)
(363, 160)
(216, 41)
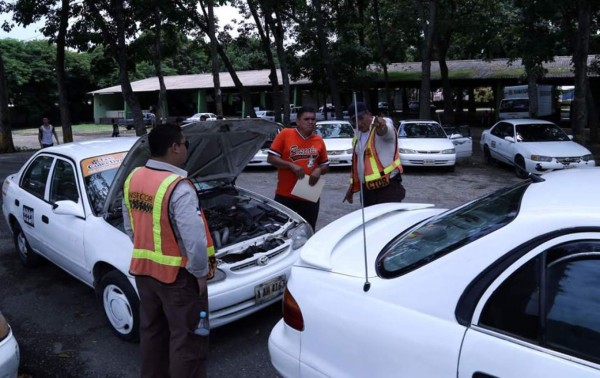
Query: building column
(201, 101)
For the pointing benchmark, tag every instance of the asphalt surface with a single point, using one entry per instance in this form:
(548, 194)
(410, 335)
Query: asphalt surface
(61, 329)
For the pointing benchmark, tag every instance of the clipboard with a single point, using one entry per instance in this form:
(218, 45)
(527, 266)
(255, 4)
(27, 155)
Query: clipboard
(310, 193)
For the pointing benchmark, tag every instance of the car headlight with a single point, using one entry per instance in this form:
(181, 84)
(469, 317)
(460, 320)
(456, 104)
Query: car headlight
(540, 158)
(587, 157)
(449, 151)
(4, 328)
(407, 151)
(300, 235)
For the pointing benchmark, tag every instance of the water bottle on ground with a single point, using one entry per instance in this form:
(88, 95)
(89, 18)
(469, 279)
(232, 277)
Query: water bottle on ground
(202, 329)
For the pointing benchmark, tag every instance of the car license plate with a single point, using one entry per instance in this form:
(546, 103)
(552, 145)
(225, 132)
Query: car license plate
(429, 161)
(333, 161)
(269, 290)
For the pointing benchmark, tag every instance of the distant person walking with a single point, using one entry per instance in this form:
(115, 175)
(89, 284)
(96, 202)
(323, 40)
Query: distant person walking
(115, 127)
(45, 134)
(375, 160)
(297, 152)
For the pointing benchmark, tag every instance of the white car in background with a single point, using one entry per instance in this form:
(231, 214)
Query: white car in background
(9, 351)
(533, 146)
(65, 204)
(196, 117)
(425, 144)
(266, 114)
(337, 136)
(506, 285)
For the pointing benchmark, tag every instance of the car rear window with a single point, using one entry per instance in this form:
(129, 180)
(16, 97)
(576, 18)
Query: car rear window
(442, 234)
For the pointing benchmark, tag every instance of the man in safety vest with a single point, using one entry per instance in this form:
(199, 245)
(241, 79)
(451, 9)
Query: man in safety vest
(171, 252)
(375, 160)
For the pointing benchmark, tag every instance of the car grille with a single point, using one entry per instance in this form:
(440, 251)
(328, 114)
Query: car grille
(428, 162)
(429, 152)
(254, 262)
(568, 160)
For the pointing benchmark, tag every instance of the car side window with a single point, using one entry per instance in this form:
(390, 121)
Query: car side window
(35, 178)
(553, 301)
(64, 183)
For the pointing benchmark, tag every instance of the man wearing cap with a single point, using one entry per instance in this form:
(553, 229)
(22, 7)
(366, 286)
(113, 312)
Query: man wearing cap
(375, 160)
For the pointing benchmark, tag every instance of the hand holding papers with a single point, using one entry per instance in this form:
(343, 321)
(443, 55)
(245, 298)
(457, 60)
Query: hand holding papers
(309, 193)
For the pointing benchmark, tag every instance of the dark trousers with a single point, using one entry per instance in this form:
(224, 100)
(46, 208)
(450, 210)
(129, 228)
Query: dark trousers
(307, 210)
(394, 192)
(169, 314)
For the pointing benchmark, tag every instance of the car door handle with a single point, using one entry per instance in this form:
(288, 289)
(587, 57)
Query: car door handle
(17, 203)
(45, 219)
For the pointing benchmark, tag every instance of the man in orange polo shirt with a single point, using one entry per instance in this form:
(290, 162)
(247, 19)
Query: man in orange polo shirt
(297, 152)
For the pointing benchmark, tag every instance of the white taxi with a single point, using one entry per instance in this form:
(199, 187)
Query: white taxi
(64, 204)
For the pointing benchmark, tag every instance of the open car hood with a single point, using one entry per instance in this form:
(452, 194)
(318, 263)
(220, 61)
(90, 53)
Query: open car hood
(218, 150)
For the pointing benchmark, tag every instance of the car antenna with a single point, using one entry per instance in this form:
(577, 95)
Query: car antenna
(361, 177)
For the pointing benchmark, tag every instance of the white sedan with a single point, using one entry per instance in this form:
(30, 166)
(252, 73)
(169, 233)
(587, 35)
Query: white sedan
(9, 351)
(337, 136)
(196, 117)
(65, 204)
(533, 146)
(426, 144)
(504, 286)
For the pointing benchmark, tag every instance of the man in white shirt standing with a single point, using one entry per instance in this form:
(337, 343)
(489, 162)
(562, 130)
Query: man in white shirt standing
(45, 134)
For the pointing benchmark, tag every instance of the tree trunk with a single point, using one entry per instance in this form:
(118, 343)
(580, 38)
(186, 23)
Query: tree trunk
(383, 55)
(63, 101)
(263, 33)
(532, 92)
(580, 114)
(161, 106)
(330, 72)
(212, 34)
(278, 33)
(6, 140)
(428, 27)
(594, 118)
(224, 58)
(442, 47)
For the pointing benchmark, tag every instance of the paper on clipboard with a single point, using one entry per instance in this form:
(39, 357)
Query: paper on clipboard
(310, 193)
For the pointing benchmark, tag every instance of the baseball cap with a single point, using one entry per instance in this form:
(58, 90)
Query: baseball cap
(360, 109)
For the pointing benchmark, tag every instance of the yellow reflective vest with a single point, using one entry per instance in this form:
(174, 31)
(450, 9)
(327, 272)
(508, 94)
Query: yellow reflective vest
(155, 250)
(376, 175)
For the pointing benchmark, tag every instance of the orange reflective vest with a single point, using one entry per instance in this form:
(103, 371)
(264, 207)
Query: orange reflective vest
(376, 175)
(156, 253)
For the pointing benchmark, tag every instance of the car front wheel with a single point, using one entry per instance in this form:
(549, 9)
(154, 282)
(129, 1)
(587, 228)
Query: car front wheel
(520, 167)
(121, 305)
(28, 258)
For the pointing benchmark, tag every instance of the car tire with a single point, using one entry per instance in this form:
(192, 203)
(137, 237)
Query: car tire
(26, 255)
(487, 156)
(520, 167)
(121, 305)
(129, 127)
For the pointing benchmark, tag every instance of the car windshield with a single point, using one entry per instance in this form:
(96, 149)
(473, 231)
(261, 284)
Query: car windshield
(98, 174)
(540, 132)
(421, 130)
(449, 231)
(335, 130)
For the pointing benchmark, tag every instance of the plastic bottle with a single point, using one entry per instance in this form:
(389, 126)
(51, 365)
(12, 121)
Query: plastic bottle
(202, 329)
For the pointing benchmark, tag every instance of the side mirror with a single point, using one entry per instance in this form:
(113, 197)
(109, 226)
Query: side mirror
(456, 136)
(509, 138)
(68, 208)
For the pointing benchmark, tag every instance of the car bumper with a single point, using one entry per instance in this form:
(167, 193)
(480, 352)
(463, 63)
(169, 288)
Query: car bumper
(284, 349)
(428, 160)
(340, 160)
(236, 296)
(545, 167)
(9, 357)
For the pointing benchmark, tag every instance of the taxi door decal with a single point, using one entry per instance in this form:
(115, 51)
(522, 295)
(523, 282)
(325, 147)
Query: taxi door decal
(28, 216)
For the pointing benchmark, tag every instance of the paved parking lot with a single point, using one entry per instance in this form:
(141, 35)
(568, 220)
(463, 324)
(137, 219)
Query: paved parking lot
(63, 333)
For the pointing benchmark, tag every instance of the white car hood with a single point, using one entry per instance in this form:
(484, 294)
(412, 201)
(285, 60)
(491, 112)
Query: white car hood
(554, 149)
(425, 144)
(338, 247)
(338, 144)
(218, 150)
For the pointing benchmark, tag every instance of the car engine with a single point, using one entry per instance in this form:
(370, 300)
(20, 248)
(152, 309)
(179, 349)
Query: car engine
(234, 219)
